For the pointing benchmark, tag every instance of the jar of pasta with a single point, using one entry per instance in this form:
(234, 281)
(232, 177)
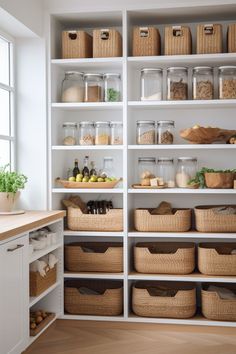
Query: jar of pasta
(86, 133)
(227, 82)
(102, 133)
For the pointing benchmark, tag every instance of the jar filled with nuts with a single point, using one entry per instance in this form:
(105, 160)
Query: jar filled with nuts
(145, 134)
(227, 82)
(86, 133)
(203, 84)
(177, 83)
(70, 133)
(102, 133)
(165, 131)
(116, 133)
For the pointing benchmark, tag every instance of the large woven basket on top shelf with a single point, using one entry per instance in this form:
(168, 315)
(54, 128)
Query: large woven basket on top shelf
(107, 43)
(216, 258)
(39, 284)
(208, 220)
(109, 301)
(215, 308)
(94, 257)
(164, 258)
(231, 38)
(146, 304)
(76, 44)
(178, 40)
(180, 221)
(209, 39)
(146, 41)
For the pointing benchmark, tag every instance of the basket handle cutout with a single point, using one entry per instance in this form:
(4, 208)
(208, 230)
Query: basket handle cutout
(208, 29)
(143, 32)
(72, 35)
(177, 31)
(105, 34)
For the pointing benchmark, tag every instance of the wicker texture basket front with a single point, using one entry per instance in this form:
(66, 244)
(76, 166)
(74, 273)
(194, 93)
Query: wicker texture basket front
(39, 284)
(108, 303)
(216, 258)
(111, 221)
(178, 40)
(231, 38)
(76, 44)
(207, 220)
(180, 221)
(219, 180)
(164, 258)
(107, 257)
(146, 41)
(182, 305)
(107, 43)
(215, 308)
(209, 39)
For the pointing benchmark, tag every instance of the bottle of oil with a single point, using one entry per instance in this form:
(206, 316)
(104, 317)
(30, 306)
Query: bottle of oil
(85, 171)
(76, 168)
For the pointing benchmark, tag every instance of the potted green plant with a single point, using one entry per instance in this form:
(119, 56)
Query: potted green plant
(210, 178)
(10, 184)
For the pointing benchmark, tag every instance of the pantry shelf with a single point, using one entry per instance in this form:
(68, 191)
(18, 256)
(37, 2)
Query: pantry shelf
(231, 103)
(184, 147)
(87, 106)
(86, 148)
(98, 191)
(93, 318)
(93, 233)
(181, 191)
(41, 253)
(89, 275)
(86, 63)
(184, 235)
(34, 300)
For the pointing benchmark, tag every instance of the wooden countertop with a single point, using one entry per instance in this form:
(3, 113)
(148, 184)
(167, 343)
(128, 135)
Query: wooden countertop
(12, 225)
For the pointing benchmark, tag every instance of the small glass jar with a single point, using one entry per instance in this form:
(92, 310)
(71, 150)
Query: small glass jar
(151, 84)
(108, 167)
(102, 133)
(177, 83)
(186, 170)
(145, 132)
(165, 131)
(112, 87)
(227, 82)
(146, 169)
(116, 133)
(166, 171)
(93, 87)
(73, 87)
(203, 83)
(86, 133)
(69, 133)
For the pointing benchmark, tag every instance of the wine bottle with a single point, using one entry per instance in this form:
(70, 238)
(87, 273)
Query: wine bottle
(93, 171)
(85, 171)
(76, 169)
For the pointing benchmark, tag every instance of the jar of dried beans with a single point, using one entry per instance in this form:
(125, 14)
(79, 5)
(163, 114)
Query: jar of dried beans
(86, 133)
(227, 82)
(145, 134)
(93, 87)
(203, 84)
(177, 83)
(165, 131)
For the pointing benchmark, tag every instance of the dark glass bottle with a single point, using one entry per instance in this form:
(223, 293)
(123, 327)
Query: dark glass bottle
(76, 169)
(85, 171)
(93, 171)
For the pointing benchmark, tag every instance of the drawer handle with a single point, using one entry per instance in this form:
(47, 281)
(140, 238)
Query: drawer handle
(14, 249)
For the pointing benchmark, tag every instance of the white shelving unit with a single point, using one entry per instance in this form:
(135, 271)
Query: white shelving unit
(184, 113)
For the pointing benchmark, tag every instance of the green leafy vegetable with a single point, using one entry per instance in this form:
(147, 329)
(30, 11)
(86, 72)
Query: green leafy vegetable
(200, 175)
(113, 95)
(11, 182)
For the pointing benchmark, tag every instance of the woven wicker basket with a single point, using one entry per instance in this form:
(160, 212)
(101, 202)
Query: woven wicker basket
(207, 220)
(146, 41)
(146, 304)
(231, 37)
(219, 180)
(164, 258)
(180, 221)
(76, 44)
(215, 308)
(109, 302)
(39, 284)
(111, 221)
(216, 258)
(209, 39)
(178, 40)
(106, 257)
(107, 43)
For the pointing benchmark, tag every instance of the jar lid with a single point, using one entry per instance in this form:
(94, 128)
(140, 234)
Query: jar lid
(87, 75)
(116, 123)
(162, 159)
(196, 68)
(187, 158)
(227, 67)
(107, 75)
(166, 122)
(147, 159)
(86, 123)
(78, 73)
(173, 68)
(69, 124)
(145, 70)
(145, 122)
(102, 123)
(108, 158)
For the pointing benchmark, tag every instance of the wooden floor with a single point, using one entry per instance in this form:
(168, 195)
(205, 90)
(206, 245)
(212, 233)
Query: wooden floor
(84, 337)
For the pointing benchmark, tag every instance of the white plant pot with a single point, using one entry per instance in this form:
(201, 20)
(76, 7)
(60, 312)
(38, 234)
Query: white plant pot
(8, 201)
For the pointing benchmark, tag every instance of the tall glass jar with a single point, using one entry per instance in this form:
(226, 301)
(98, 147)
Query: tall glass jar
(112, 87)
(73, 87)
(165, 131)
(166, 171)
(108, 167)
(102, 133)
(69, 133)
(93, 87)
(86, 133)
(145, 132)
(186, 170)
(203, 83)
(116, 133)
(227, 82)
(151, 84)
(146, 170)
(177, 83)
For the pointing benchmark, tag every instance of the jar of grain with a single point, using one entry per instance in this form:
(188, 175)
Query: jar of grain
(112, 87)
(177, 83)
(102, 133)
(203, 84)
(186, 170)
(116, 133)
(151, 84)
(227, 82)
(69, 133)
(87, 135)
(93, 87)
(145, 132)
(166, 171)
(165, 131)
(73, 87)
(146, 170)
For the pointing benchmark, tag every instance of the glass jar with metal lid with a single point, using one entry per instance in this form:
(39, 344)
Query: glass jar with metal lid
(203, 83)
(166, 171)
(73, 87)
(177, 83)
(165, 131)
(93, 87)
(145, 132)
(151, 84)
(102, 133)
(146, 170)
(186, 170)
(116, 133)
(86, 133)
(112, 87)
(69, 133)
(227, 82)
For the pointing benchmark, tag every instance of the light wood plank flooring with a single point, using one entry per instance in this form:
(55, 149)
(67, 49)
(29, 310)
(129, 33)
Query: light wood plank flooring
(84, 337)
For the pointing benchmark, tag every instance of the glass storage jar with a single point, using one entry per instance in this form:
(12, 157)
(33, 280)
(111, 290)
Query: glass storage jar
(102, 133)
(112, 87)
(116, 133)
(166, 170)
(69, 133)
(165, 131)
(186, 170)
(86, 133)
(203, 83)
(145, 132)
(227, 82)
(146, 169)
(177, 83)
(151, 84)
(93, 87)
(108, 167)
(73, 87)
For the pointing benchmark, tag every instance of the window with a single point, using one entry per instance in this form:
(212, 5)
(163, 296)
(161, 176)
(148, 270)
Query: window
(7, 134)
